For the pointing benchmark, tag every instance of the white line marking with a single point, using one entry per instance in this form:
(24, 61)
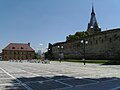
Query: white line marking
(27, 87)
(64, 83)
(10, 84)
(48, 78)
(69, 86)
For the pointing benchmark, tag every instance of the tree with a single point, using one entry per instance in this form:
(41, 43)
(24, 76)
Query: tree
(77, 35)
(37, 56)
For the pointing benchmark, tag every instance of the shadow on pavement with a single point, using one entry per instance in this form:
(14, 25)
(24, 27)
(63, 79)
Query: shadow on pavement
(52, 83)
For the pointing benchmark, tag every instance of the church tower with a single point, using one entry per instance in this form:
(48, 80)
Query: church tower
(93, 27)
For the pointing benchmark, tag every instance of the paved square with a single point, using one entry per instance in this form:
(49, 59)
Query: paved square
(47, 85)
(58, 76)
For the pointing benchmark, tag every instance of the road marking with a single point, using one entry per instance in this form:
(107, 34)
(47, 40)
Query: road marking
(9, 84)
(27, 87)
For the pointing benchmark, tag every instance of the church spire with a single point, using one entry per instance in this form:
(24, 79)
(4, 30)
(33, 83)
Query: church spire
(93, 25)
(93, 10)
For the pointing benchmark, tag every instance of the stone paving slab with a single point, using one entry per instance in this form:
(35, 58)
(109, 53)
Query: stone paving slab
(118, 89)
(19, 73)
(22, 75)
(5, 81)
(58, 76)
(107, 85)
(12, 87)
(3, 75)
(1, 72)
(76, 81)
(100, 79)
(49, 85)
(32, 79)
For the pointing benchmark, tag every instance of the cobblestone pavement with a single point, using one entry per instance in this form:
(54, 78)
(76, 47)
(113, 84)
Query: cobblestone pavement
(58, 76)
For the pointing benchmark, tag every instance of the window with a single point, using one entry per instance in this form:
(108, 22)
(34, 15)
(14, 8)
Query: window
(21, 47)
(5, 57)
(18, 58)
(22, 58)
(27, 57)
(25, 52)
(14, 52)
(13, 47)
(9, 57)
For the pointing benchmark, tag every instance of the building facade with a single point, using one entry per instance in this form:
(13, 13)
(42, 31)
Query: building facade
(18, 51)
(100, 44)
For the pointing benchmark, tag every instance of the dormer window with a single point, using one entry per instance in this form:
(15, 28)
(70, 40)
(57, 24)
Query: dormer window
(21, 47)
(13, 47)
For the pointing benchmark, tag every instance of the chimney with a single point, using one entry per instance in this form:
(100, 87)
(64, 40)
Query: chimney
(28, 44)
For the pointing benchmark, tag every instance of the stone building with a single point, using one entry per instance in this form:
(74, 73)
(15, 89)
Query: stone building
(18, 51)
(100, 44)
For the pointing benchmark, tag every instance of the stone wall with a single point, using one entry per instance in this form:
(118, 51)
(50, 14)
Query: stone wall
(105, 45)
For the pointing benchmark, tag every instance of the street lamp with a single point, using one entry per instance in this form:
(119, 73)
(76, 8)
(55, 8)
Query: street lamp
(60, 53)
(84, 42)
(48, 53)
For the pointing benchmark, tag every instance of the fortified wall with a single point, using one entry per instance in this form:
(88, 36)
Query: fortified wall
(105, 45)
(101, 45)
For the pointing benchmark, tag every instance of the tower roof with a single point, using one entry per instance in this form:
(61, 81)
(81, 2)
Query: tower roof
(93, 10)
(93, 22)
(93, 27)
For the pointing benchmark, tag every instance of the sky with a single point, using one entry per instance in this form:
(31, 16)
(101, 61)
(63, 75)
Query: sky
(49, 21)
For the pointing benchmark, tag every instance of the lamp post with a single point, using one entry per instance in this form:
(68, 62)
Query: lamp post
(49, 53)
(84, 42)
(60, 53)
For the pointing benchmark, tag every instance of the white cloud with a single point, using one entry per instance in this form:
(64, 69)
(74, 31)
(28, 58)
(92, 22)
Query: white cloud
(40, 44)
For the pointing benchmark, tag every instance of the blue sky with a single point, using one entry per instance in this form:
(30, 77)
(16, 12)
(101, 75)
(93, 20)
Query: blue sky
(49, 21)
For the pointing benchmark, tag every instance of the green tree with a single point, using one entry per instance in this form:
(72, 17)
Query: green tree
(77, 35)
(37, 56)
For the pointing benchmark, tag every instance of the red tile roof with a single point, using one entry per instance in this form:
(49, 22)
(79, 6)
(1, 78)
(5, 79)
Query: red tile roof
(18, 46)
